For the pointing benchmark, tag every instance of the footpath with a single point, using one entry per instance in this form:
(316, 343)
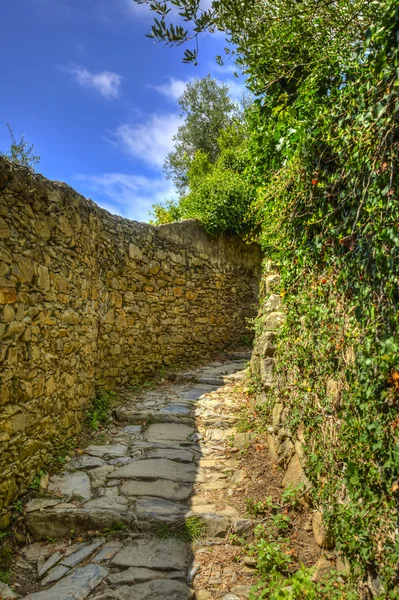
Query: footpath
(148, 511)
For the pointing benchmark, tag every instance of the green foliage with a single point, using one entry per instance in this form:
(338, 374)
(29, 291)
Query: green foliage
(165, 213)
(207, 109)
(320, 161)
(191, 529)
(219, 194)
(22, 152)
(35, 485)
(98, 413)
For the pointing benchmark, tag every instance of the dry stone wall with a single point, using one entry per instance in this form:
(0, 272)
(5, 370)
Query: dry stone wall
(90, 299)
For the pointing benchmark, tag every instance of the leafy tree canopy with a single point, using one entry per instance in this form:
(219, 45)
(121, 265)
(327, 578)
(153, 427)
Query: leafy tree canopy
(207, 109)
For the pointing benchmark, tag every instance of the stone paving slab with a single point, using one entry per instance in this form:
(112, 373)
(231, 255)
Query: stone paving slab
(141, 478)
(161, 432)
(169, 555)
(75, 586)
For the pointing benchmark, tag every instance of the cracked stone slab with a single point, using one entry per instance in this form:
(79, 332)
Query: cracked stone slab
(170, 432)
(180, 455)
(152, 590)
(141, 574)
(56, 574)
(196, 392)
(168, 555)
(71, 484)
(108, 551)
(158, 468)
(40, 504)
(116, 503)
(160, 488)
(85, 462)
(75, 586)
(50, 562)
(107, 451)
(80, 555)
(157, 510)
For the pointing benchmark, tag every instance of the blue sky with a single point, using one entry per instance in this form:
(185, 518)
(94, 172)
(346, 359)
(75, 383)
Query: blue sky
(96, 97)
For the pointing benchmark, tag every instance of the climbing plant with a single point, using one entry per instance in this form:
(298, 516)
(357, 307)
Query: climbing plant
(321, 161)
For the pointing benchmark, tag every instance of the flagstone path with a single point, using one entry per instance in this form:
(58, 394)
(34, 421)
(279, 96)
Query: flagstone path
(170, 455)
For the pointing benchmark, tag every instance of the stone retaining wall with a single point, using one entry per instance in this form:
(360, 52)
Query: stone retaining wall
(90, 299)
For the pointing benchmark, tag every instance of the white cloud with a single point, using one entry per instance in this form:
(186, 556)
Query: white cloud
(130, 196)
(173, 89)
(105, 83)
(149, 141)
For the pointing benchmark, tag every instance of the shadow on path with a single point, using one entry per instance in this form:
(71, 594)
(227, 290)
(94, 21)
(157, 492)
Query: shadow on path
(142, 495)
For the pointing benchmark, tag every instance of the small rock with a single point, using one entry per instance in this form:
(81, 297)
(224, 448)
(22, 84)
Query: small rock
(241, 590)
(322, 538)
(43, 484)
(250, 561)
(322, 568)
(6, 592)
(203, 595)
(230, 597)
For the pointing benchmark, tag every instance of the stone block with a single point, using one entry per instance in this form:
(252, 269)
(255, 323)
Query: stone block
(321, 536)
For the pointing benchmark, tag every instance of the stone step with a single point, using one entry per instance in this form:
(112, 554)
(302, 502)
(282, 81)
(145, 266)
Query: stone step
(124, 415)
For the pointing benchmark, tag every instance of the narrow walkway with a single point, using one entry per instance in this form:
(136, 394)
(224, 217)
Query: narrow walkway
(133, 503)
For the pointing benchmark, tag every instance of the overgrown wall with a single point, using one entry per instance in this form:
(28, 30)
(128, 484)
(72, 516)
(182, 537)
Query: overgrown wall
(90, 299)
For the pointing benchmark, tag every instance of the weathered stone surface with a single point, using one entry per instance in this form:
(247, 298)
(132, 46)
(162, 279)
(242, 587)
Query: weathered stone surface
(71, 484)
(80, 555)
(180, 455)
(58, 523)
(109, 451)
(295, 474)
(140, 574)
(170, 554)
(160, 488)
(102, 301)
(56, 574)
(75, 586)
(242, 591)
(40, 504)
(197, 392)
(86, 462)
(323, 568)
(107, 552)
(116, 503)
(50, 562)
(6, 592)
(159, 511)
(322, 538)
(100, 475)
(160, 468)
(160, 432)
(152, 590)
